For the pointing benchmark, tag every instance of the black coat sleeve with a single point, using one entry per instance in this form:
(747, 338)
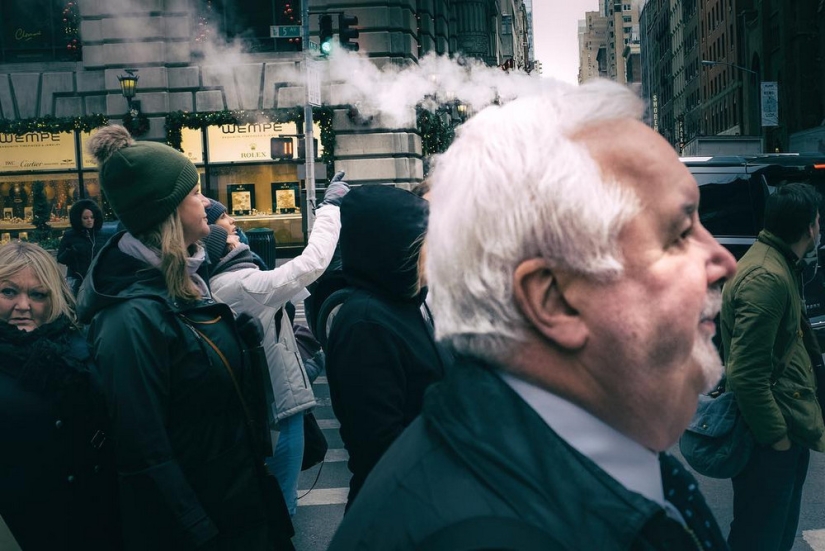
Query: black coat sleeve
(65, 252)
(134, 354)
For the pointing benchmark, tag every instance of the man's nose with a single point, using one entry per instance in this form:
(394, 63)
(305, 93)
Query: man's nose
(721, 263)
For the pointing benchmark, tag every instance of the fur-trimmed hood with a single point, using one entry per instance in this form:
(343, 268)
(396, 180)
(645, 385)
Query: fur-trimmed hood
(76, 215)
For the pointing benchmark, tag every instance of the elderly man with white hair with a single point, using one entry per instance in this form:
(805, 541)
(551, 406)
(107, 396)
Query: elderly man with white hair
(571, 276)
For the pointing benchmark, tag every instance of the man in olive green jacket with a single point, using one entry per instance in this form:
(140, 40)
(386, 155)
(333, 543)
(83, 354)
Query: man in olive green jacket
(769, 370)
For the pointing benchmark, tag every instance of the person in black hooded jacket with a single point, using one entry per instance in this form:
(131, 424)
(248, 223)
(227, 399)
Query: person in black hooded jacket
(81, 242)
(381, 353)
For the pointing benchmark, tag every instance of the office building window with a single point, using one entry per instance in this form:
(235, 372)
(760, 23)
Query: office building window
(39, 30)
(248, 22)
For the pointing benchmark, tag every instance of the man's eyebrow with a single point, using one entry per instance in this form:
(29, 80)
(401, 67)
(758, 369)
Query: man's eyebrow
(690, 208)
(677, 223)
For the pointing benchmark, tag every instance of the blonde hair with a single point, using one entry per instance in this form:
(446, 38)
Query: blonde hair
(167, 237)
(418, 253)
(19, 255)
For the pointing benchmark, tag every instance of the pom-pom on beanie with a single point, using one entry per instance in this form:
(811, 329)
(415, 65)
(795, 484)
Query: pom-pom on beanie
(215, 243)
(214, 211)
(144, 182)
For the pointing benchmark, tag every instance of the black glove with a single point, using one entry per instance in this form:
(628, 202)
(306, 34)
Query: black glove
(336, 190)
(250, 330)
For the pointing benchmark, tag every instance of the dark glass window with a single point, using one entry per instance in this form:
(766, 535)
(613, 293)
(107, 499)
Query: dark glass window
(248, 22)
(726, 206)
(39, 30)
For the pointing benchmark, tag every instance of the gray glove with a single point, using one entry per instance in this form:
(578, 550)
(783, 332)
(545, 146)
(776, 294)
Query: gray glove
(336, 190)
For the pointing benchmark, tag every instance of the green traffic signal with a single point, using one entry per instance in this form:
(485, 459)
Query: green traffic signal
(325, 34)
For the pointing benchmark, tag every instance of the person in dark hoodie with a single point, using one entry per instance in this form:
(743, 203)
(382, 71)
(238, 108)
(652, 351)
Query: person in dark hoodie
(81, 242)
(170, 359)
(381, 354)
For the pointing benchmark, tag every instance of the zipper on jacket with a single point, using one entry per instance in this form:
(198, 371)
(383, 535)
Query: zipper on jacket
(201, 344)
(694, 538)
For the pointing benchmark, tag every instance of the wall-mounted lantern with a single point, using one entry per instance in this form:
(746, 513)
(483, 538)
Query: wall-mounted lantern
(128, 87)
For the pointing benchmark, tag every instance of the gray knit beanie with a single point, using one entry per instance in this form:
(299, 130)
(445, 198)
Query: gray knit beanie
(214, 211)
(144, 182)
(215, 243)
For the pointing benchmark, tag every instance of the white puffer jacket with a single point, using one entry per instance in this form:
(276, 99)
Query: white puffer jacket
(262, 293)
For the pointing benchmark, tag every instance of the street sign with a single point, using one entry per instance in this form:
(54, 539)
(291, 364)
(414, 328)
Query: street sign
(285, 31)
(313, 84)
(770, 103)
(314, 46)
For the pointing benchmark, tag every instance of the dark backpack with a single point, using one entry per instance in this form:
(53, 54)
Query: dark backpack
(328, 311)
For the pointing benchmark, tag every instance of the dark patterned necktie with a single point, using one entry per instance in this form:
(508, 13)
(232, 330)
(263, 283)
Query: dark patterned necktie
(682, 491)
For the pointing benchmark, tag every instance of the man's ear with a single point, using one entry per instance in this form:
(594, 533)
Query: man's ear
(541, 300)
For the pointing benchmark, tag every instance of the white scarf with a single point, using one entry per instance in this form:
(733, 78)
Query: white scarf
(130, 245)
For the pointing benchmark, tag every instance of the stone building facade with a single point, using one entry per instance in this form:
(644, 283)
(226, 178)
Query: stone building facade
(188, 56)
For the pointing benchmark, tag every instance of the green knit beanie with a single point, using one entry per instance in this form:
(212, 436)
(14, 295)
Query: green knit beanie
(144, 182)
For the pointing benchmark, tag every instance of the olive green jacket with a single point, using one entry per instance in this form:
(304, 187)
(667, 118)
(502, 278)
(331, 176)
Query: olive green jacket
(760, 322)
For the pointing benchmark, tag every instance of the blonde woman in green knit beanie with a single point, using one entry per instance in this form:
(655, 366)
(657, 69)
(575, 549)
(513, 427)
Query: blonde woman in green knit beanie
(167, 354)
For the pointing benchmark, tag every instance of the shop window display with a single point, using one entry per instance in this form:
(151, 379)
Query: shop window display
(24, 196)
(36, 207)
(262, 183)
(92, 187)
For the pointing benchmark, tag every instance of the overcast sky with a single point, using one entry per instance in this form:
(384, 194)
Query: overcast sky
(555, 25)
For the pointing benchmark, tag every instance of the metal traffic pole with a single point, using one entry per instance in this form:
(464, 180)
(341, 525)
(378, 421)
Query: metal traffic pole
(309, 146)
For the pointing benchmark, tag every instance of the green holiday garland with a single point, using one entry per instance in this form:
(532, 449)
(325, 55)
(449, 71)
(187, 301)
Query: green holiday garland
(52, 124)
(436, 133)
(136, 125)
(176, 121)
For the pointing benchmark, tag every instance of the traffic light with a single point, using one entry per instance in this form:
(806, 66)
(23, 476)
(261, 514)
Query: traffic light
(346, 32)
(302, 147)
(281, 149)
(325, 34)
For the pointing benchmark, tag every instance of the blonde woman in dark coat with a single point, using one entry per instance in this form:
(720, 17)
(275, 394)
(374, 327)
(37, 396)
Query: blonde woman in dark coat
(169, 357)
(57, 473)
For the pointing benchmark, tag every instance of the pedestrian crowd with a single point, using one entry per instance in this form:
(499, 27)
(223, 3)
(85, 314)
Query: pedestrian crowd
(511, 351)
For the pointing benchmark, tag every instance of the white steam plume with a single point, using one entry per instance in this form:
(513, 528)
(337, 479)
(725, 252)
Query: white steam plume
(394, 91)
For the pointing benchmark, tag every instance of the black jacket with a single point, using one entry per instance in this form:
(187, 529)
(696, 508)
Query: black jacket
(79, 245)
(57, 472)
(381, 354)
(185, 465)
(478, 451)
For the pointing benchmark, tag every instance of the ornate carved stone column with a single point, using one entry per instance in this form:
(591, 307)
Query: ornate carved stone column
(473, 27)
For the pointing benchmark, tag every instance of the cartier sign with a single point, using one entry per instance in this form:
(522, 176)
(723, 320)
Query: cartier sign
(37, 151)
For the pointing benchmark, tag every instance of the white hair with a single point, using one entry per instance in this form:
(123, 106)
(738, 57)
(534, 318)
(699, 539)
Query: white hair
(516, 185)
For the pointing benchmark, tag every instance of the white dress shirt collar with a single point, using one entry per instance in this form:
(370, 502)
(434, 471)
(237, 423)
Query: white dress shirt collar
(629, 463)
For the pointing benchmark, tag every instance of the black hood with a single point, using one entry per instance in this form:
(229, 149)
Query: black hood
(76, 213)
(113, 277)
(381, 232)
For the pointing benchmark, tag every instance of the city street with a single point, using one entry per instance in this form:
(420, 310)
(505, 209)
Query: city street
(320, 510)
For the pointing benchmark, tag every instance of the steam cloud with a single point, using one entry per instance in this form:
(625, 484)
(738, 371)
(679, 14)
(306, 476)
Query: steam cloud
(347, 78)
(394, 91)
(391, 91)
